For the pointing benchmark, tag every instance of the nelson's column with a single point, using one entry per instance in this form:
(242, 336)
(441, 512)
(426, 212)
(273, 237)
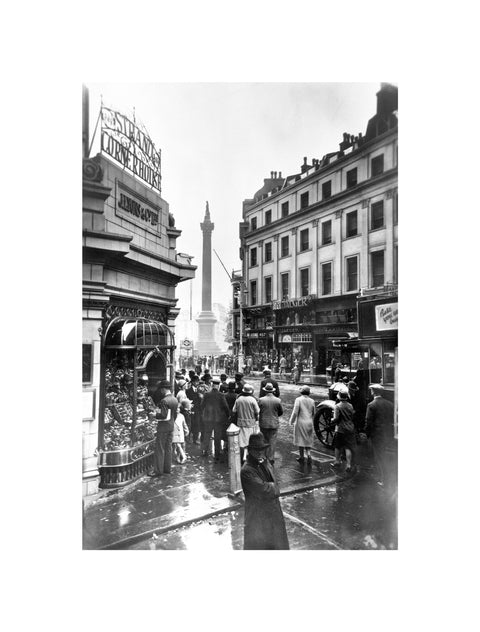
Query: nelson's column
(206, 320)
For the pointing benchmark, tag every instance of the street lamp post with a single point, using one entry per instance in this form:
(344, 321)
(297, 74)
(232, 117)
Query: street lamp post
(240, 345)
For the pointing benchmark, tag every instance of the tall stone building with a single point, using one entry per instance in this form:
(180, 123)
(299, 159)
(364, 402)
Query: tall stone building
(312, 242)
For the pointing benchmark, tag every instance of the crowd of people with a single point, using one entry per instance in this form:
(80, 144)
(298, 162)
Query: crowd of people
(201, 407)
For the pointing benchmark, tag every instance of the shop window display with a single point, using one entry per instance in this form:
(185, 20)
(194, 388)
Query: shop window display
(135, 358)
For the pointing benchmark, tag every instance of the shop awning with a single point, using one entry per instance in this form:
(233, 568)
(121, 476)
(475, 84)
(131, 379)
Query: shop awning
(138, 332)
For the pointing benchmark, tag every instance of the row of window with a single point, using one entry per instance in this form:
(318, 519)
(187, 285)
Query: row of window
(377, 168)
(377, 220)
(377, 267)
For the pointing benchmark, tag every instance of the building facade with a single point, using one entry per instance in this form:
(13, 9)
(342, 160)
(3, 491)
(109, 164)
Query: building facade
(312, 242)
(130, 271)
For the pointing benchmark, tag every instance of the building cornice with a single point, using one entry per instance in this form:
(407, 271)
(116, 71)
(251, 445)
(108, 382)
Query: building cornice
(322, 172)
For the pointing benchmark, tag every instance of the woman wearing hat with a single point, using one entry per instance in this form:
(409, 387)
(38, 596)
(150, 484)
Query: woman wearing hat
(246, 410)
(302, 416)
(344, 438)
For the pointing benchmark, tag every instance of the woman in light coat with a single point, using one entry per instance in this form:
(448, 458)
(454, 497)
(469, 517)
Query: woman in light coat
(302, 416)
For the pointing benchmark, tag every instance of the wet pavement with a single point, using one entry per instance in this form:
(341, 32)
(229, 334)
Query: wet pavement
(190, 508)
(354, 514)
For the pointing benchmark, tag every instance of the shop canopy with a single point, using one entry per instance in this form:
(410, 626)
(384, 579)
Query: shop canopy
(138, 332)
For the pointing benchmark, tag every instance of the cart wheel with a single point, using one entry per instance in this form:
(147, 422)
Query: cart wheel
(324, 426)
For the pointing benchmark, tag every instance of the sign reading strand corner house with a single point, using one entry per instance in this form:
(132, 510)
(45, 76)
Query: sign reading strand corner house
(386, 316)
(126, 143)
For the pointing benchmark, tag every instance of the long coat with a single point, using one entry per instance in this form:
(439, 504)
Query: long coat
(379, 419)
(302, 415)
(264, 522)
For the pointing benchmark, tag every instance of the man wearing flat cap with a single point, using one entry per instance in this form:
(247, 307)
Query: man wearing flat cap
(264, 527)
(378, 425)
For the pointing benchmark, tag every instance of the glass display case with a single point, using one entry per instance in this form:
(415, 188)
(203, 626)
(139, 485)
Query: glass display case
(137, 354)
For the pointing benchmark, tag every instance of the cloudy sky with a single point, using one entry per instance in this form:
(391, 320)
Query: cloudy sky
(220, 140)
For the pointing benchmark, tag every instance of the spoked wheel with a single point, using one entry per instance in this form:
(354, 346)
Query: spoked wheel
(324, 426)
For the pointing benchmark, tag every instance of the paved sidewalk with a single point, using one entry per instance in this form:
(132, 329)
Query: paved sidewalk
(192, 492)
(197, 490)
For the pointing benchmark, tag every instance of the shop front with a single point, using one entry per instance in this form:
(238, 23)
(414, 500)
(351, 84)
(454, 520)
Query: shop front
(136, 354)
(130, 271)
(334, 318)
(373, 356)
(259, 343)
(293, 326)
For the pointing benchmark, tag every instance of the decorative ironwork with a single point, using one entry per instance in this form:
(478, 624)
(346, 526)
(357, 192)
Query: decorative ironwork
(125, 311)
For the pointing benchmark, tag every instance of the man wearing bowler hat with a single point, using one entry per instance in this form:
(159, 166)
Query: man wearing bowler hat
(264, 527)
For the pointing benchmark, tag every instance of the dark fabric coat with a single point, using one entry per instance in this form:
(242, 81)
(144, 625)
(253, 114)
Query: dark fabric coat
(264, 522)
(215, 408)
(230, 398)
(270, 410)
(266, 381)
(379, 419)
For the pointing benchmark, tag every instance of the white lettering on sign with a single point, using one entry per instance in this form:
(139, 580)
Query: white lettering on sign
(386, 316)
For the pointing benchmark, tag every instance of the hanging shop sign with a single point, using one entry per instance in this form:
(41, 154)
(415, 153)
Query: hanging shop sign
(386, 316)
(294, 302)
(131, 146)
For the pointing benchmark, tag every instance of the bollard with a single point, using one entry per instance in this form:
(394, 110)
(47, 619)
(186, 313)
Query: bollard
(234, 465)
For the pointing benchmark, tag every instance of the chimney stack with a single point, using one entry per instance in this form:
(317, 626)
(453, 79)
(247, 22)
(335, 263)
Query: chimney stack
(279, 174)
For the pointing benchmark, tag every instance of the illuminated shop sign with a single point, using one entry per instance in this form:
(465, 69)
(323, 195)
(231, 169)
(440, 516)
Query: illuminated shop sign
(294, 302)
(126, 143)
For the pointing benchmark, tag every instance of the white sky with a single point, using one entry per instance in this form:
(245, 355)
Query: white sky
(220, 140)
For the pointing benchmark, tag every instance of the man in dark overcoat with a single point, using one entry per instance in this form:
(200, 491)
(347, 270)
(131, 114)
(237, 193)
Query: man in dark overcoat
(264, 522)
(378, 426)
(215, 413)
(267, 379)
(239, 383)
